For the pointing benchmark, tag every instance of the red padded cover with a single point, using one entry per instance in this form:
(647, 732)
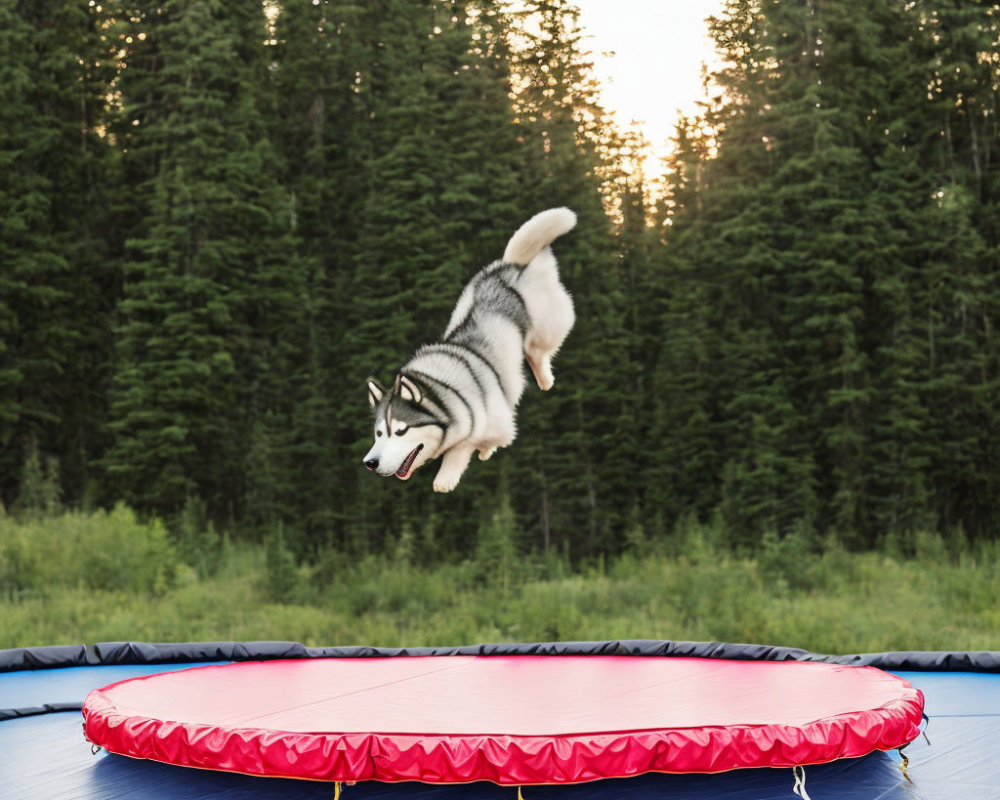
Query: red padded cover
(506, 719)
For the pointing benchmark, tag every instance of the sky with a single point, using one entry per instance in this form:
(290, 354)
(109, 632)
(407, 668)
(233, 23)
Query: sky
(658, 49)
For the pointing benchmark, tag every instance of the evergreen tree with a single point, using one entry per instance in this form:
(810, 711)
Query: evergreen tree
(812, 275)
(797, 235)
(954, 296)
(575, 467)
(316, 120)
(440, 195)
(58, 280)
(207, 296)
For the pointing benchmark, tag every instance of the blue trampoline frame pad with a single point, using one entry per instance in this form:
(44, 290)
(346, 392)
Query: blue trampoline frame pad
(43, 753)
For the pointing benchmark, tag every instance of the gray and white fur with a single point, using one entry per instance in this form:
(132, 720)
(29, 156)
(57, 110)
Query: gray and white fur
(459, 395)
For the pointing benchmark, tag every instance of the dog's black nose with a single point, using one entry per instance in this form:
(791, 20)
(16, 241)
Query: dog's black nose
(372, 463)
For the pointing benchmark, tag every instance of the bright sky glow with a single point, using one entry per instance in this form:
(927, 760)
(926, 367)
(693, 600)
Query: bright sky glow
(655, 72)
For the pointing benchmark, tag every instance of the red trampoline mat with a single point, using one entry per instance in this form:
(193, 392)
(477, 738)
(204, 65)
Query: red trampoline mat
(506, 719)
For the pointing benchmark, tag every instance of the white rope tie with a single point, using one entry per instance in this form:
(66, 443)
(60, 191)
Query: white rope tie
(800, 782)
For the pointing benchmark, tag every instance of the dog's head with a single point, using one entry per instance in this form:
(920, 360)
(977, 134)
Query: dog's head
(409, 427)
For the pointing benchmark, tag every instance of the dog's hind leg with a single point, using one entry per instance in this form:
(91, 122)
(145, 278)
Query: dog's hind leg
(551, 310)
(540, 346)
(453, 464)
(541, 368)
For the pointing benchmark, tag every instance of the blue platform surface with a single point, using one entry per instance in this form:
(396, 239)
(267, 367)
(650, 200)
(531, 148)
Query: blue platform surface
(45, 756)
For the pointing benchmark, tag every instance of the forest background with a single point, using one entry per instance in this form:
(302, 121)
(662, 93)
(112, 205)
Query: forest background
(777, 418)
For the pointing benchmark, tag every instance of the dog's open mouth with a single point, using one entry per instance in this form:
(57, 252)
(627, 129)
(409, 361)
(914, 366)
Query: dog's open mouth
(404, 469)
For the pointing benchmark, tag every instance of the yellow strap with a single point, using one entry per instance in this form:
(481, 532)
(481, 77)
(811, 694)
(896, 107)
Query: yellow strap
(519, 795)
(336, 790)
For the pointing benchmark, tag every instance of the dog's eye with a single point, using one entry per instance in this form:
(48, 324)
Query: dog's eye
(402, 430)
(378, 433)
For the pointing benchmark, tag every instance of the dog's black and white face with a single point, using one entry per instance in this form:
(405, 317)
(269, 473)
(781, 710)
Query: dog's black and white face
(407, 430)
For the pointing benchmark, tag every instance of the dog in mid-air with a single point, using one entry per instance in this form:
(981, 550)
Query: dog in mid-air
(459, 395)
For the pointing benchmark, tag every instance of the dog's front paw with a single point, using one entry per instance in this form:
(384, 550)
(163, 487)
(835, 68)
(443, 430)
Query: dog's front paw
(484, 455)
(444, 484)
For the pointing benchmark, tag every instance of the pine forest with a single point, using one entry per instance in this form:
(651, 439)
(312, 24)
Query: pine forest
(219, 217)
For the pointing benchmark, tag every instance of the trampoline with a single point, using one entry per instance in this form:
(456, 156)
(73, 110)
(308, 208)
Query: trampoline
(518, 720)
(47, 755)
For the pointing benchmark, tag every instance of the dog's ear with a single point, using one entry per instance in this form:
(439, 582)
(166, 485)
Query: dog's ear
(375, 392)
(408, 389)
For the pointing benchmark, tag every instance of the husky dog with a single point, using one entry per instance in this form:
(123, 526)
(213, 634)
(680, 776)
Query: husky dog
(459, 395)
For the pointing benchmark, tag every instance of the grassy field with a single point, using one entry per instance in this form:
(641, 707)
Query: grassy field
(77, 577)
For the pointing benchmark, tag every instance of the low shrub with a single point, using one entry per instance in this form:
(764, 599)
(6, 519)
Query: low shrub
(100, 551)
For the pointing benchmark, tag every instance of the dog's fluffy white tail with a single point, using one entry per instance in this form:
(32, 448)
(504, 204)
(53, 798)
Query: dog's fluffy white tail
(538, 233)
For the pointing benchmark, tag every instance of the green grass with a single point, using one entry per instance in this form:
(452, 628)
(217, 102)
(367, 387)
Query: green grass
(78, 578)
